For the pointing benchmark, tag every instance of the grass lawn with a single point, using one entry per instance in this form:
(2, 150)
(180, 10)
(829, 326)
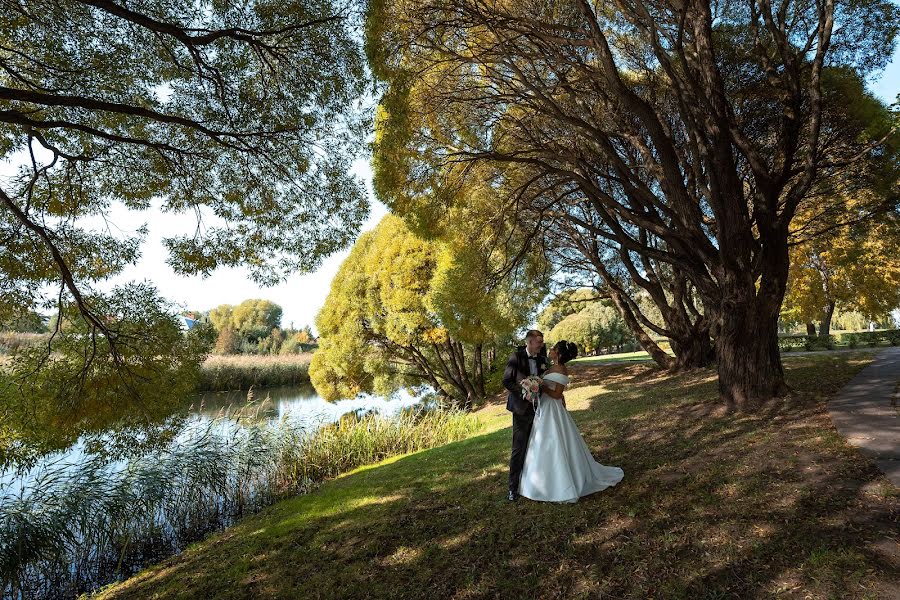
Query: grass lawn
(713, 505)
(621, 357)
(643, 356)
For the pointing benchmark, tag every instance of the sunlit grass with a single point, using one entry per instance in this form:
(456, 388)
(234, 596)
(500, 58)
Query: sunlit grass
(713, 505)
(640, 355)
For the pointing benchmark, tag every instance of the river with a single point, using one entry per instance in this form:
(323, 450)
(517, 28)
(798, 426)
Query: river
(62, 521)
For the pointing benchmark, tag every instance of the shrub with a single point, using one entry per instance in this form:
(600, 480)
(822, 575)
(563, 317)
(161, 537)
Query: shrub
(787, 343)
(298, 343)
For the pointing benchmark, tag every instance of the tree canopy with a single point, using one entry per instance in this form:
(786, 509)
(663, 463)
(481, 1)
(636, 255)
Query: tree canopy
(568, 302)
(596, 326)
(852, 269)
(677, 140)
(49, 401)
(404, 311)
(243, 117)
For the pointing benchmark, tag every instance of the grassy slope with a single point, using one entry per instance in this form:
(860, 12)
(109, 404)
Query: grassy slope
(712, 505)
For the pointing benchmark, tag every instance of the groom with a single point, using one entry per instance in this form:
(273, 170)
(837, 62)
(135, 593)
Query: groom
(530, 359)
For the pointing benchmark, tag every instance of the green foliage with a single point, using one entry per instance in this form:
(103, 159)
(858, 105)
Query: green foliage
(256, 318)
(27, 322)
(402, 307)
(596, 326)
(271, 344)
(253, 327)
(243, 117)
(138, 373)
(876, 338)
(853, 268)
(852, 320)
(589, 124)
(298, 342)
(220, 316)
(873, 339)
(568, 302)
(247, 111)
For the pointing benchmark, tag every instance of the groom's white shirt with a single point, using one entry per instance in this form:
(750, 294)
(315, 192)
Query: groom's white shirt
(533, 365)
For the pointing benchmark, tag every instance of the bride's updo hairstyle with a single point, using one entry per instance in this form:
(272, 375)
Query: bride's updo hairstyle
(567, 351)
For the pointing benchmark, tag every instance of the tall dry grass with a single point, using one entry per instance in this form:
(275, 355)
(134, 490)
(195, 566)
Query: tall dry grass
(240, 372)
(10, 341)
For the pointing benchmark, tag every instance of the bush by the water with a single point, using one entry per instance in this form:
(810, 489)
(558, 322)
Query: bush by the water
(223, 373)
(80, 526)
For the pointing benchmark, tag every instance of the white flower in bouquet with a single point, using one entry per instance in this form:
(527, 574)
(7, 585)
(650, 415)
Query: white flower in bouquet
(531, 388)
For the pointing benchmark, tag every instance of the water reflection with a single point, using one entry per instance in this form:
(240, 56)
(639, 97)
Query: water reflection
(301, 404)
(101, 515)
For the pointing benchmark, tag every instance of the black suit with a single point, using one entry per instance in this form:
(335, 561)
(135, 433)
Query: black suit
(517, 369)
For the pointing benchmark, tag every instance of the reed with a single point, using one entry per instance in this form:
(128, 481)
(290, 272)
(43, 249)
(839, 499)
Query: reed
(240, 372)
(10, 341)
(74, 528)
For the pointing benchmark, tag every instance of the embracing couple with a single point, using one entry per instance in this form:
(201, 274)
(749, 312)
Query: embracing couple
(550, 461)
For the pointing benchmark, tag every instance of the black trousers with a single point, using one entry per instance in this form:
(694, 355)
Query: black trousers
(521, 429)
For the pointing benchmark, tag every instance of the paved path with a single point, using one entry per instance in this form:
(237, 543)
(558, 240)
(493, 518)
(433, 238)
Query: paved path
(863, 412)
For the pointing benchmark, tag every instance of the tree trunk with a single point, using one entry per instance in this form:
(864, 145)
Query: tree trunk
(479, 371)
(458, 361)
(451, 376)
(658, 354)
(810, 328)
(825, 325)
(748, 358)
(684, 335)
(693, 352)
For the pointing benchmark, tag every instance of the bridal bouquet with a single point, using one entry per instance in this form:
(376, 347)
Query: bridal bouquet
(531, 388)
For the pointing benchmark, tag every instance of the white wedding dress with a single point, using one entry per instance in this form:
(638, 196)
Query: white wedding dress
(558, 464)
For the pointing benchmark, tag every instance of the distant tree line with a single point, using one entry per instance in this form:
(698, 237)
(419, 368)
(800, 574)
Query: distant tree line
(254, 327)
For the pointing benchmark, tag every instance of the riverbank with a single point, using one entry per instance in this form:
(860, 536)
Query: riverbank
(713, 504)
(241, 371)
(78, 524)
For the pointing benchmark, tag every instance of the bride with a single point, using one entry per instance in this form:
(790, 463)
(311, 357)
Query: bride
(558, 465)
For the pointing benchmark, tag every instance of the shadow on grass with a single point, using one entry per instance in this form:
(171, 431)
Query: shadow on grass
(713, 505)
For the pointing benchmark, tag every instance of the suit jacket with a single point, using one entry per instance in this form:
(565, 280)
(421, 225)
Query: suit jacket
(517, 369)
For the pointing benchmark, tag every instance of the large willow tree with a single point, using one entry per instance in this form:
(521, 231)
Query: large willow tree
(243, 117)
(682, 137)
(408, 312)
